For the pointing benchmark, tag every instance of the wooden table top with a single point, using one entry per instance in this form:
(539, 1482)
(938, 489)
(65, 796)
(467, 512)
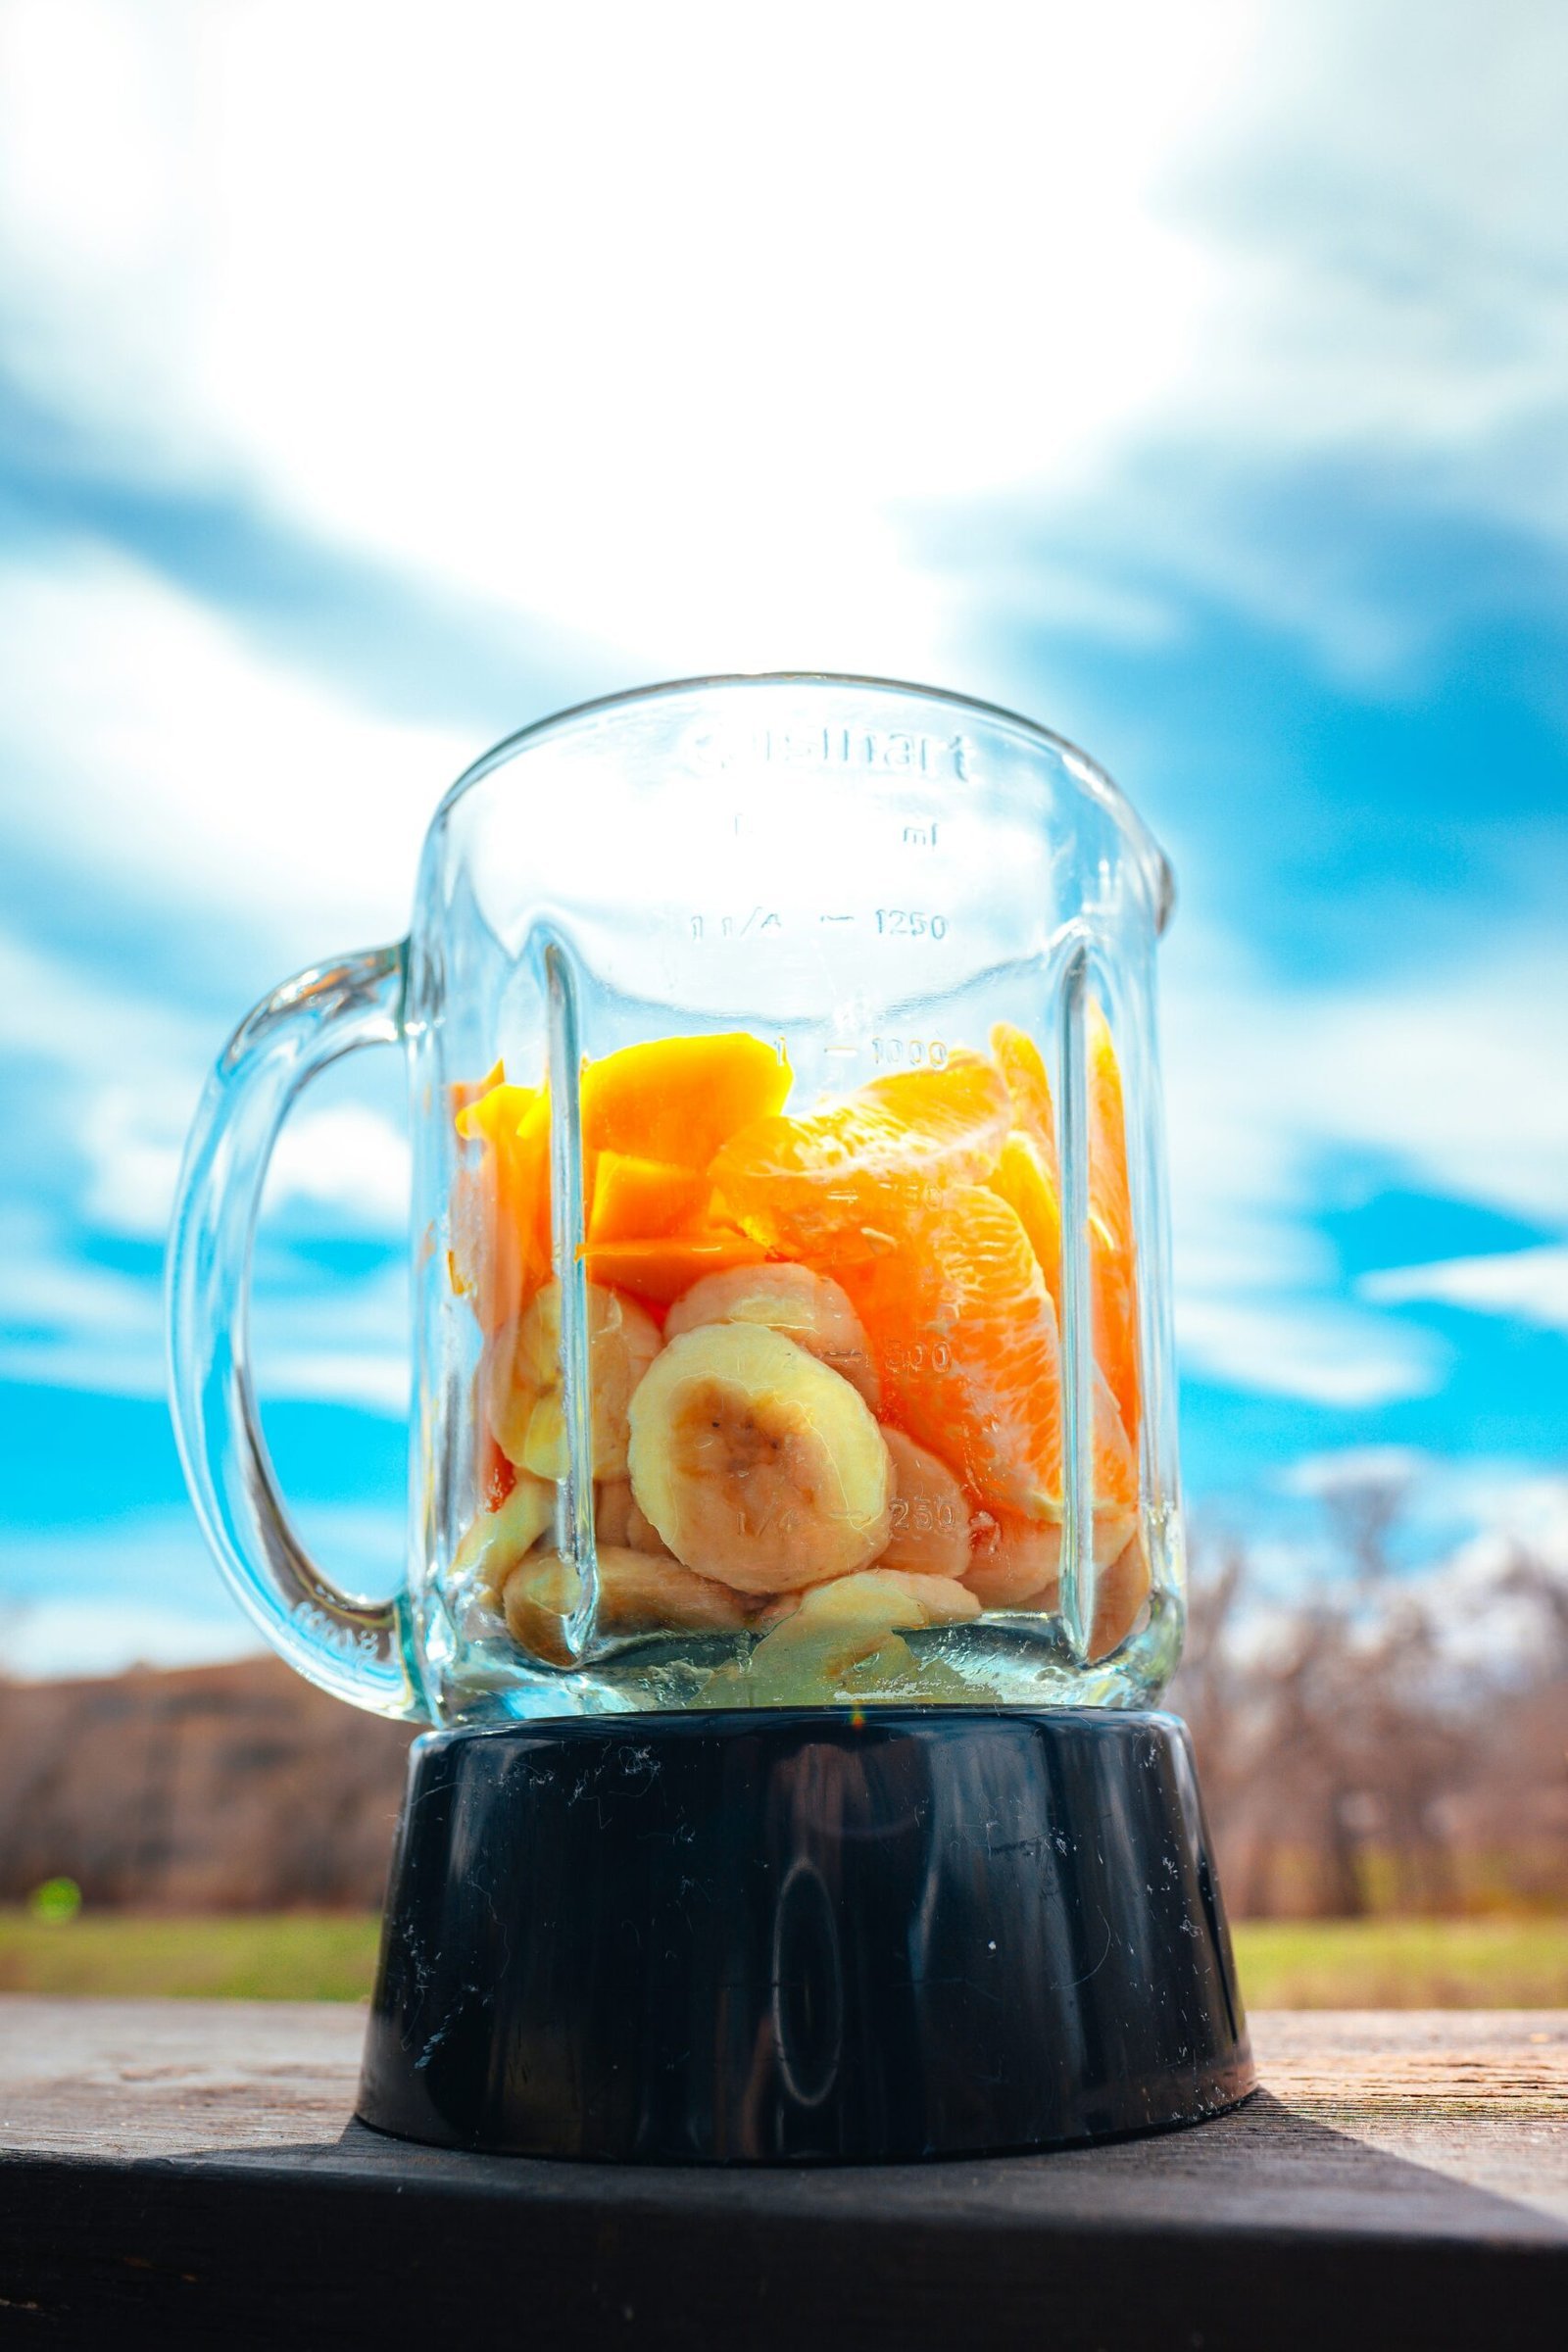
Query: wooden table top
(1401, 2177)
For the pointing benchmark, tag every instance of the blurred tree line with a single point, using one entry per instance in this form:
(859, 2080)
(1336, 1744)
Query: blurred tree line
(1357, 1755)
(1388, 1742)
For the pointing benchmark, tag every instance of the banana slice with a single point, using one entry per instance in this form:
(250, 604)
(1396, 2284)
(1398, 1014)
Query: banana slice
(755, 1463)
(524, 1386)
(618, 1520)
(636, 1594)
(643, 1535)
(833, 1626)
(497, 1539)
(806, 1308)
(1016, 1564)
(930, 1512)
(1120, 1592)
(613, 1508)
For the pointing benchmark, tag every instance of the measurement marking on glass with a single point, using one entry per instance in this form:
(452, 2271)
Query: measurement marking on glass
(835, 918)
(910, 922)
(910, 1050)
(735, 926)
(716, 750)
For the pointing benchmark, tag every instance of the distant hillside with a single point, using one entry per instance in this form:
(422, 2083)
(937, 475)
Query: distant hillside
(223, 1788)
(1352, 1759)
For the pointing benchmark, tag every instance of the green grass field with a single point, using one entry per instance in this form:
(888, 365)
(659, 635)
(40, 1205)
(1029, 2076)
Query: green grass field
(1285, 1964)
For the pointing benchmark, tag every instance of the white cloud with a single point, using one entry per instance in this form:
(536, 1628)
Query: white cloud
(80, 1601)
(1530, 1285)
(349, 1158)
(1450, 1502)
(51, 1011)
(70, 1324)
(374, 1379)
(677, 337)
(1304, 1347)
(661, 327)
(130, 1068)
(1348, 1467)
(68, 1637)
(197, 771)
(668, 316)
(1456, 1081)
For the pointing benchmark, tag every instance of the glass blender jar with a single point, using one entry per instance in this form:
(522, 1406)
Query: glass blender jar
(793, 1434)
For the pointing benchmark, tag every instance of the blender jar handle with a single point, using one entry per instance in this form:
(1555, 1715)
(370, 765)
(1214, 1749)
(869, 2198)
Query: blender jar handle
(357, 1649)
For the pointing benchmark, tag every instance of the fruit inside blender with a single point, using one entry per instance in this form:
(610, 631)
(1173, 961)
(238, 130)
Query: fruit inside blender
(824, 1359)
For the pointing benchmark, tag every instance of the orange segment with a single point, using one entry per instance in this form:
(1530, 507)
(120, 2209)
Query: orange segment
(1113, 1259)
(1109, 1192)
(965, 1336)
(1023, 1067)
(677, 1099)
(797, 1182)
(1029, 1177)
(664, 1269)
(638, 1199)
(1022, 1183)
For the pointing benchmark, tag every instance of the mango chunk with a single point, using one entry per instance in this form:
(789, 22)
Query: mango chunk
(662, 1269)
(678, 1099)
(637, 1200)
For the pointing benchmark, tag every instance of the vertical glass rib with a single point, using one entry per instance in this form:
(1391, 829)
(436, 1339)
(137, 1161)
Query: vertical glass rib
(575, 1508)
(1077, 1327)
(1159, 1485)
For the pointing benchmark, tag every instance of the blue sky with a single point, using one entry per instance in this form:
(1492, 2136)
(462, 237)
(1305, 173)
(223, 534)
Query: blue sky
(1197, 382)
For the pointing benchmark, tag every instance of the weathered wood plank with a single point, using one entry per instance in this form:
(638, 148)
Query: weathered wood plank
(140, 2078)
(1402, 2179)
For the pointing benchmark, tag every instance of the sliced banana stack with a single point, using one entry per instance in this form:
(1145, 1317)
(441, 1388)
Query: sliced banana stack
(524, 1380)
(831, 1627)
(497, 1539)
(1016, 1564)
(618, 1520)
(755, 1463)
(806, 1308)
(636, 1594)
(930, 1512)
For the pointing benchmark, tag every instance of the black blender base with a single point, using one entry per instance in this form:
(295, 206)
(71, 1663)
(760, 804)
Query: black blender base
(792, 1936)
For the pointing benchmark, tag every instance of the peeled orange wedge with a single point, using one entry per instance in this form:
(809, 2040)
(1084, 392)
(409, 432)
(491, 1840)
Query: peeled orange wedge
(797, 1184)
(1029, 1192)
(1112, 1263)
(1023, 1068)
(965, 1336)
(1028, 1178)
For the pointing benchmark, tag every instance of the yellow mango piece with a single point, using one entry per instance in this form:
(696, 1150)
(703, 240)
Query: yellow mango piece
(678, 1099)
(636, 1199)
(500, 1206)
(664, 1269)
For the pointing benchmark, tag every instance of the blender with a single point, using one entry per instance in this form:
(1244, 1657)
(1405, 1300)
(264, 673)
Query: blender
(794, 1549)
